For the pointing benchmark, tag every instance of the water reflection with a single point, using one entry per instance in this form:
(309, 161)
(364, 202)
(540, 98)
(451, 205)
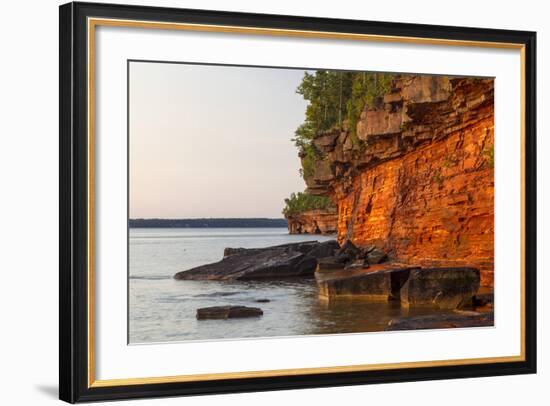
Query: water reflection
(163, 309)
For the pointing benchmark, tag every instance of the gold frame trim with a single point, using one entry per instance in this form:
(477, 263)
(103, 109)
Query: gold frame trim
(94, 22)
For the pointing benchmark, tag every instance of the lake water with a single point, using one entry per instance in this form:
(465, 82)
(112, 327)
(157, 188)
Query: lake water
(163, 309)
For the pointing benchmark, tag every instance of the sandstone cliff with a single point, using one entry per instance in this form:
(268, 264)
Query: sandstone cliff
(319, 221)
(416, 177)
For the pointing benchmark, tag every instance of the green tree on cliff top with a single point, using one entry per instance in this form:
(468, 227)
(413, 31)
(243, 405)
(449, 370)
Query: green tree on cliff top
(334, 97)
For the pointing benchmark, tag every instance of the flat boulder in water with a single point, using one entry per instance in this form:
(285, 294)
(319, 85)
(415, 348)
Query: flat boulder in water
(281, 261)
(446, 288)
(227, 312)
(378, 283)
(451, 320)
(443, 288)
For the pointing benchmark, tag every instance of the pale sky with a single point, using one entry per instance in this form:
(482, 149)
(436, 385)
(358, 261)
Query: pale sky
(212, 141)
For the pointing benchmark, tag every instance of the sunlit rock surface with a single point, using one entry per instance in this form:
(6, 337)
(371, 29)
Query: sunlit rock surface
(318, 221)
(420, 186)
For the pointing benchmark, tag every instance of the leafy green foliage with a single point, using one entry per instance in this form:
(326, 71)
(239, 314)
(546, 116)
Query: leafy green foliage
(308, 152)
(333, 98)
(327, 93)
(299, 202)
(310, 156)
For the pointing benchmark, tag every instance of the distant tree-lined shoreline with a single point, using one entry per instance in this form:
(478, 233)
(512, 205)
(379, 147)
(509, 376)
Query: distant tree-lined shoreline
(208, 223)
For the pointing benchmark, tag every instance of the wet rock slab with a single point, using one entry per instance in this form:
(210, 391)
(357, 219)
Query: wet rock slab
(227, 312)
(442, 288)
(450, 320)
(445, 288)
(378, 282)
(282, 261)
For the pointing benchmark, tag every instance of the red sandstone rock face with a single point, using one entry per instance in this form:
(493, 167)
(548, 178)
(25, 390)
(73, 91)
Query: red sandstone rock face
(422, 186)
(314, 222)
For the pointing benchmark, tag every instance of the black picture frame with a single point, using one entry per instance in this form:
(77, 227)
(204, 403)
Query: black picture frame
(73, 284)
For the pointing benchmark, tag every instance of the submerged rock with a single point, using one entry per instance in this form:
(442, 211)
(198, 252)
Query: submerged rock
(446, 288)
(449, 320)
(379, 282)
(281, 261)
(227, 312)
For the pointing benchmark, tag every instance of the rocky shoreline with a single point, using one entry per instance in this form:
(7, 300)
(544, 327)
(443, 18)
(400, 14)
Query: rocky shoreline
(415, 175)
(347, 271)
(277, 262)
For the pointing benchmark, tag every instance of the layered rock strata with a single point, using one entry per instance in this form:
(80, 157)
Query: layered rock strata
(413, 286)
(416, 178)
(446, 288)
(377, 282)
(318, 221)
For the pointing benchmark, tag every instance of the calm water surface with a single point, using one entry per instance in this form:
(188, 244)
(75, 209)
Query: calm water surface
(163, 309)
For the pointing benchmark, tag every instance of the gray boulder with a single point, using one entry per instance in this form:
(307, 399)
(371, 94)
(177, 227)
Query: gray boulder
(377, 283)
(282, 261)
(445, 288)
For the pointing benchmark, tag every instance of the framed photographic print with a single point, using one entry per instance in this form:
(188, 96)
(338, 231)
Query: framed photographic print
(256, 202)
